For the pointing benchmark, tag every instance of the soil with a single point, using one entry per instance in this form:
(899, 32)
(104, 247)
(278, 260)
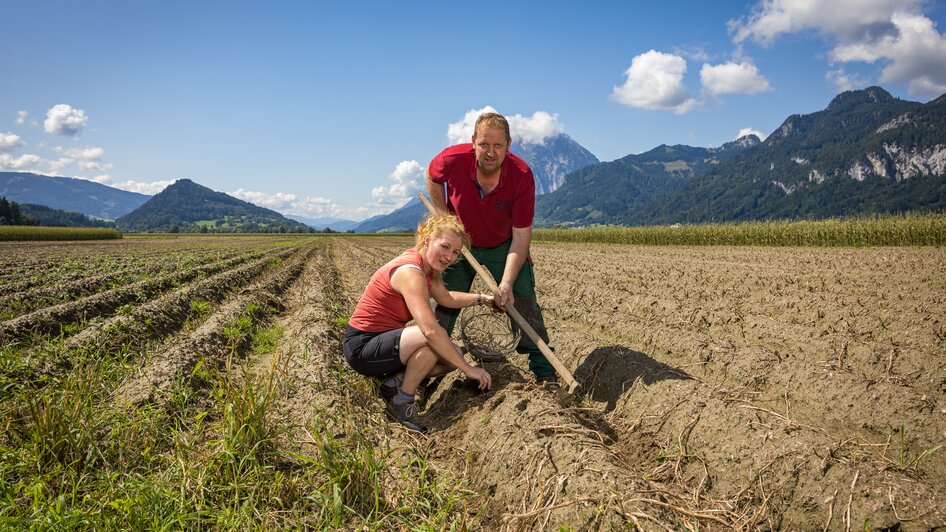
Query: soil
(788, 388)
(720, 387)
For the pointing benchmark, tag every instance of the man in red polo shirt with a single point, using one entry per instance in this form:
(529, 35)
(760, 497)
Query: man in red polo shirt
(492, 191)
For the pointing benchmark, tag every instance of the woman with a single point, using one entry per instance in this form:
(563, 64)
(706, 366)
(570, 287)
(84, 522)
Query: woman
(377, 343)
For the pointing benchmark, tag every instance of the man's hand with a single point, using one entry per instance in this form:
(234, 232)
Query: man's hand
(503, 295)
(480, 375)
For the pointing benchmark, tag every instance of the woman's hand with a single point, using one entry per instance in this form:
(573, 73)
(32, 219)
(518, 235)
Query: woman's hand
(480, 375)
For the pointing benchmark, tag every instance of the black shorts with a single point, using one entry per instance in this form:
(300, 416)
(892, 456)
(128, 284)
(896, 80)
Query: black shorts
(373, 354)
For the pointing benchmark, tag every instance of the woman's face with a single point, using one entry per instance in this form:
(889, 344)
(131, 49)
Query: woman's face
(443, 250)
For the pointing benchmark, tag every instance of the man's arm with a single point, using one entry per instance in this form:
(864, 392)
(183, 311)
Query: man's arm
(437, 197)
(518, 252)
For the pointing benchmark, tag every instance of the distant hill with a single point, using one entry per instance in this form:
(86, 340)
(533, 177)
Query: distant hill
(866, 153)
(188, 207)
(69, 194)
(335, 224)
(402, 220)
(60, 218)
(606, 192)
(550, 161)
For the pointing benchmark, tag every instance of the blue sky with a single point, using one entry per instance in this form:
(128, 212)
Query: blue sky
(334, 109)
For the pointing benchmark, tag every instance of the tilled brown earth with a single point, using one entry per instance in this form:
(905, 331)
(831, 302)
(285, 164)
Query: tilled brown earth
(721, 388)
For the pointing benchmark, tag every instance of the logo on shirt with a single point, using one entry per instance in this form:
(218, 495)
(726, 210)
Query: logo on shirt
(503, 206)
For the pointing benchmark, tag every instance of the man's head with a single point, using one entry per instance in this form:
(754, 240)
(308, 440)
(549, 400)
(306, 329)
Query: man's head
(491, 141)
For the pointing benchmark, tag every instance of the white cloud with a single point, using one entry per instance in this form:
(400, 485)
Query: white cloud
(847, 20)
(140, 187)
(62, 119)
(21, 117)
(408, 179)
(85, 158)
(23, 162)
(749, 131)
(843, 81)
(892, 32)
(536, 128)
(733, 78)
(285, 203)
(655, 81)
(526, 129)
(462, 130)
(9, 142)
(277, 202)
(915, 54)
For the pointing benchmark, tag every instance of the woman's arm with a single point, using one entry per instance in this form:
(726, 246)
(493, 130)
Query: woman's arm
(452, 299)
(410, 283)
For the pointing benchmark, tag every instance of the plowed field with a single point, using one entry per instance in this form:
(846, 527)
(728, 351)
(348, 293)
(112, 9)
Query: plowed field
(721, 388)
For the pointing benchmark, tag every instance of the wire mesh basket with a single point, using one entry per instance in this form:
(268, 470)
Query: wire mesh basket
(488, 335)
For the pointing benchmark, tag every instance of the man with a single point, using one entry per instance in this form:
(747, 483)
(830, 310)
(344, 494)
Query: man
(492, 191)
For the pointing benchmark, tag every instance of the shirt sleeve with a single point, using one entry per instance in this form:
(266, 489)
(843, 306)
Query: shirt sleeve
(438, 168)
(523, 206)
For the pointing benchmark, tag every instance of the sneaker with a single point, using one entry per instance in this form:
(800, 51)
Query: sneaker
(387, 391)
(405, 415)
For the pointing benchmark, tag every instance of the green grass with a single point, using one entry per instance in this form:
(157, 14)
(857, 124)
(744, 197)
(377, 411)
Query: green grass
(33, 232)
(211, 452)
(907, 230)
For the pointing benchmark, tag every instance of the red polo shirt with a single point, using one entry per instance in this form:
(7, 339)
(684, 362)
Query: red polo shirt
(488, 219)
(381, 307)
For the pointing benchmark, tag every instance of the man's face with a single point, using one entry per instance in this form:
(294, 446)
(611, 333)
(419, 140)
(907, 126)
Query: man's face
(491, 148)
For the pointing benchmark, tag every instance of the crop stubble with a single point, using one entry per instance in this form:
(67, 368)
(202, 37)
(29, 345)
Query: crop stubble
(734, 387)
(721, 387)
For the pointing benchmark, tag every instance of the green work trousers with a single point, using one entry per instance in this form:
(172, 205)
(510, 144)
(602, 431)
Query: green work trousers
(459, 278)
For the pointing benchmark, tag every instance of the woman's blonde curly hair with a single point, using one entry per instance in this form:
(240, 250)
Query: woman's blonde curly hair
(435, 225)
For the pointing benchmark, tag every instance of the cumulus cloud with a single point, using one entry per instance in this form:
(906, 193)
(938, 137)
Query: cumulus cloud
(733, 78)
(63, 119)
(89, 158)
(536, 128)
(526, 129)
(843, 81)
(847, 20)
(749, 131)
(21, 117)
(892, 32)
(915, 54)
(655, 81)
(141, 187)
(310, 207)
(408, 179)
(9, 142)
(23, 162)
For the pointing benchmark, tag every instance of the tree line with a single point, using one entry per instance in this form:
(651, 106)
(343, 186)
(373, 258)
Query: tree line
(11, 214)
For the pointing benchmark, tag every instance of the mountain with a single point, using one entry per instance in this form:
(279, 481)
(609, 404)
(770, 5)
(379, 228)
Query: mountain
(402, 220)
(69, 194)
(550, 161)
(605, 192)
(866, 153)
(335, 224)
(189, 207)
